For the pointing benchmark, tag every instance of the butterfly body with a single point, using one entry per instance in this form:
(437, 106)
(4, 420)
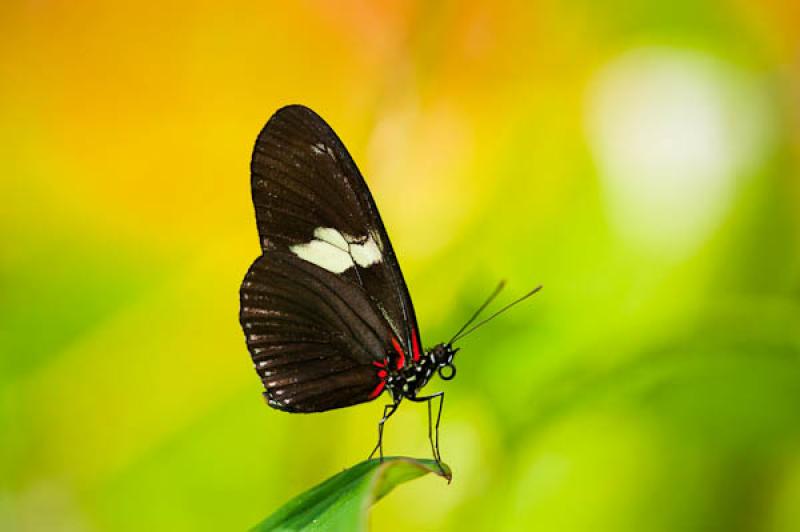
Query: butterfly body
(407, 381)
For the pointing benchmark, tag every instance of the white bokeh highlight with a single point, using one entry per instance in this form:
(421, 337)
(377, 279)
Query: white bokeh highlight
(673, 132)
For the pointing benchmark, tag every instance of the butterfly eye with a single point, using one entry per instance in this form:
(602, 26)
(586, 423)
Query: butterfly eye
(449, 374)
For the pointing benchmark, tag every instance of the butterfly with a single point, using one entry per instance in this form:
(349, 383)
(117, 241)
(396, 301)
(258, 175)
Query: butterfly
(325, 310)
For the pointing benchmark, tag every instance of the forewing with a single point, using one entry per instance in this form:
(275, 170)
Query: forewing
(312, 202)
(314, 337)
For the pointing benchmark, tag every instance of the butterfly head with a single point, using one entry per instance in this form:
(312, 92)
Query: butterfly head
(442, 356)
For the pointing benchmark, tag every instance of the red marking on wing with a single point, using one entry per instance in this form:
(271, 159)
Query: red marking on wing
(415, 345)
(382, 374)
(378, 389)
(402, 360)
(379, 364)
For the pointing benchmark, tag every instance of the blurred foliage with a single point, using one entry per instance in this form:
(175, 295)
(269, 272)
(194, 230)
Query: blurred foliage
(638, 159)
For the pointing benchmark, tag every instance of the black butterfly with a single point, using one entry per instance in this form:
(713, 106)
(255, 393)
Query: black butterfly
(325, 309)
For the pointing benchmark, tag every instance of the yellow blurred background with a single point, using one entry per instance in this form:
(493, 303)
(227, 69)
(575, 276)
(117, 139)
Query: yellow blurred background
(638, 159)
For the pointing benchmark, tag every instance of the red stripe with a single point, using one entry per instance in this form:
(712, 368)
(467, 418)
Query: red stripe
(415, 345)
(379, 364)
(378, 389)
(402, 360)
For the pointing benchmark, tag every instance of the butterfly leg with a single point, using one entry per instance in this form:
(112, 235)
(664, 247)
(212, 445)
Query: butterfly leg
(434, 443)
(379, 446)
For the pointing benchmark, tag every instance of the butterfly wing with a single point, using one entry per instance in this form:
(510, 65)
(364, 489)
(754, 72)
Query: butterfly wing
(325, 308)
(311, 201)
(314, 337)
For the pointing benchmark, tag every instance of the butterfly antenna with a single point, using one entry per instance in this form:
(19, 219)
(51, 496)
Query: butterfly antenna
(459, 336)
(477, 313)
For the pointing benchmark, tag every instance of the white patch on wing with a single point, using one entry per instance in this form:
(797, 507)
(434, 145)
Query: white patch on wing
(324, 254)
(366, 254)
(321, 149)
(331, 236)
(337, 252)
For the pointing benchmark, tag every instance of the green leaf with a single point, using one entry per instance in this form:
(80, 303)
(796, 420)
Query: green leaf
(342, 502)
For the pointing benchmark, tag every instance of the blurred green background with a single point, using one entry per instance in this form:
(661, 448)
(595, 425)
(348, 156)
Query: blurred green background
(639, 159)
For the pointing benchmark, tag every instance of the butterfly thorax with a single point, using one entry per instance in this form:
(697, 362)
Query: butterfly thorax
(410, 379)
